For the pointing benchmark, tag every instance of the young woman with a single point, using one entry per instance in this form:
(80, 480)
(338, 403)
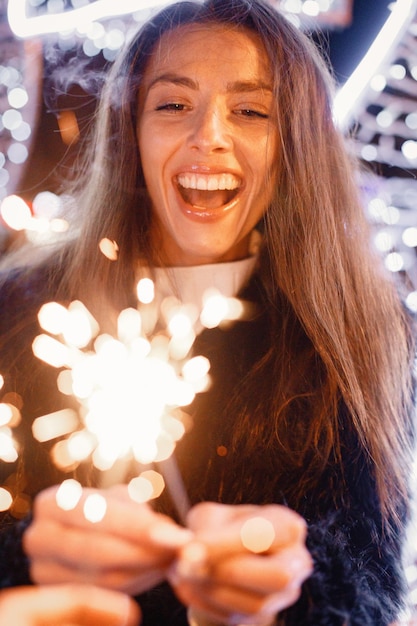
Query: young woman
(215, 161)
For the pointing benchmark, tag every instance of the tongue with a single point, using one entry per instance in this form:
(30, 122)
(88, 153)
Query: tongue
(206, 199)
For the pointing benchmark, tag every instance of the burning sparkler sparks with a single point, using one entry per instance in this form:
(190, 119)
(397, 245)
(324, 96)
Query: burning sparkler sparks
(9, 418)
(130, 388)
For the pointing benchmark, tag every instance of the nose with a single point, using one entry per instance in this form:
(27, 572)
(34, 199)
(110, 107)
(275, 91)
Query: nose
(210, 131)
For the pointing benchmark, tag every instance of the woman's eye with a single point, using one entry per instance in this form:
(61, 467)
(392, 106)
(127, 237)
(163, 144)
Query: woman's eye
(171, 106)
(251, 113)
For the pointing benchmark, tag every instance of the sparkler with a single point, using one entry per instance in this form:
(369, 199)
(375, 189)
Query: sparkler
(131, 388)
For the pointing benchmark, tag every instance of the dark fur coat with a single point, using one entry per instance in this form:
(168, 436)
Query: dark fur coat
(357, 579)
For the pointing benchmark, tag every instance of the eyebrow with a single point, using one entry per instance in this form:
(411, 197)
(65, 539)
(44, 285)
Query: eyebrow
(240, 86)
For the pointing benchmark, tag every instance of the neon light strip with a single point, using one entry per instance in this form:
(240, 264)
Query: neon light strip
(349, 96)
(22, 26)
(346, 100)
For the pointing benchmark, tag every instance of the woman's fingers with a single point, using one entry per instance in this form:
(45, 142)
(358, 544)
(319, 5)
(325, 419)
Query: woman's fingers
(128, 547)
(89, 547)
(245, 564)
(233, 529)
(131, 581)
(121, 516)
(247, 585)
(66, 605)
(265, 574)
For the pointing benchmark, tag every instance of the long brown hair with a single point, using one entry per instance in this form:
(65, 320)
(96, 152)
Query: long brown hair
(320, 274)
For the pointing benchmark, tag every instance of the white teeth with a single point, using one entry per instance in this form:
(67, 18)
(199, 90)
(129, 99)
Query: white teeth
(208, 182)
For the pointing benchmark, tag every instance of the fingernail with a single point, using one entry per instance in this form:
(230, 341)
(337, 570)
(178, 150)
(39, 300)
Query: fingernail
(273, 605)
(193, 562)
(126, 611)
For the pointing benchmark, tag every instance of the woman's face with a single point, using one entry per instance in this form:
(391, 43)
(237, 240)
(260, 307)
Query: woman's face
(207, 140)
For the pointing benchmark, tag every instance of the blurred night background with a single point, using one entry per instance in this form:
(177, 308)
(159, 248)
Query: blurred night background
(50, 76)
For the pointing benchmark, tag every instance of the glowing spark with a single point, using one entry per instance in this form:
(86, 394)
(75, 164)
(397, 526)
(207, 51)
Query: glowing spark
(196, 368)
(55, 425)
(131, 388)
(69, 494)
(53, 317)
(109, 248)
(147, 486)
(140, 489)
(217, 309)
(9, 415)
(257, 535)
(145, 290)
(180, 325)
(81, 327)
(6, 499)
(1, 382)
(80, 445)
(8, 452)
(5, 414)
(51, 351)
(95, 508)
(129, 327)
(127, 386)
(15, 212)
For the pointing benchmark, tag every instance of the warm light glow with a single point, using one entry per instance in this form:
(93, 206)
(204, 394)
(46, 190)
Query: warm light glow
(6, 499)
(109, 248)
(6, 414)
(55, 424)
(80, 327)
(145, 290)
(217, 308)
(140, 489)
(80, 445)
(68, 127)
(47, 204)
(257, 534)
(51, 351)
(196, 368)
(129, 326)
(8, 452)
(15, 212)
(69, 494)
(127, 386)
(148, 486)
(9, 415)
(95, 508)
(53, 317)
(130, 388)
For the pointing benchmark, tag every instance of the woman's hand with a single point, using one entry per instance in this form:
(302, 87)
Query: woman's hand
(129, 549)
(67, 605)
(245, 564)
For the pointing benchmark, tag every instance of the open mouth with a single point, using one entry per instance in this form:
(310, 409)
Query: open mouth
(208, 191)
